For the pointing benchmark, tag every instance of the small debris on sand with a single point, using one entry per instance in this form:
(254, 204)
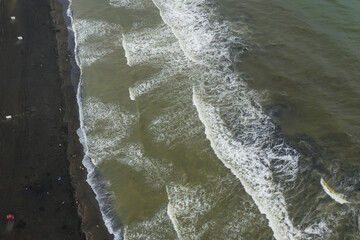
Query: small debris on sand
(10, 217)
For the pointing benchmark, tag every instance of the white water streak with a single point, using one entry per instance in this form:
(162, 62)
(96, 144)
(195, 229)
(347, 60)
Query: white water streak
(95, 40)
(157, 227)
(95, 185)
(158, 48)
(130, 4)
(207, 42)
(245, 164)
(106, 126)
(338, 197)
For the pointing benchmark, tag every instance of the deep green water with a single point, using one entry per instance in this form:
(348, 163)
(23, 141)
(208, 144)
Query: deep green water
(216, 119)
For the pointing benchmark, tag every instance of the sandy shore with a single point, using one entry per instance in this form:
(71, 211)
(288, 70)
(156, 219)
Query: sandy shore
(41, 177)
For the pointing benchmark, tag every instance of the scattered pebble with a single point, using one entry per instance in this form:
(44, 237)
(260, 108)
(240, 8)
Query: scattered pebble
(60, 144)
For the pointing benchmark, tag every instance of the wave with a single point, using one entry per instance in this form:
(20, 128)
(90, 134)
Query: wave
(241, 135)
(158, 48)
(130, 4)
(103, 196)
(95, 40)
(155, 171)
(142, 88)
(191, 207)
(200, 35)
(157, 227)
(195, 45)
(106, 126)
(251, 165)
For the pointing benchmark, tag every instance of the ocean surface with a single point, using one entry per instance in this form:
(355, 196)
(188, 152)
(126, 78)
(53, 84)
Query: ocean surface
(221, 119)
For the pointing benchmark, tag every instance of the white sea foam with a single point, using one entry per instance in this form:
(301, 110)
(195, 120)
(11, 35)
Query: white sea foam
(236, 224)
(240, 224)
(251, 164)
(156, 171)
(92, 28)
(157, 227)
(240, 134)
(103, 196)
(91, 53)
(186, 205)
(130, 4)
(158, 48)
(152, 46)
(200, 37)
(238, 216)
(95, 39)
(191, 206)
(320, 230)
(105, 125)
(178, 124)
(144, 87)
(177, 121)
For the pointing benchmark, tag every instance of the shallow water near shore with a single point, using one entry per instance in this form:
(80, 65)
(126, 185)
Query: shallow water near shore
(216, 119)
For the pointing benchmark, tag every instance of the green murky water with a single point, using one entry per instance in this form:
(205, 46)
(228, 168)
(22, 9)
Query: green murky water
(212, 119)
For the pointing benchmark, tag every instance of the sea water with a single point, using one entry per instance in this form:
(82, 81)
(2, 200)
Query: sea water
(209, 119)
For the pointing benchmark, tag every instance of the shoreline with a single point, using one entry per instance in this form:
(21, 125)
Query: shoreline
(88, 208)
(42, 179)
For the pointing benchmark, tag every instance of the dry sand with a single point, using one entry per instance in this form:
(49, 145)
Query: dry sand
(37, 145)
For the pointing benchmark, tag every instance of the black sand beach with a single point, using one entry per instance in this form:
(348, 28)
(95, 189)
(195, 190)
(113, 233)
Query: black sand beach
(41, 180)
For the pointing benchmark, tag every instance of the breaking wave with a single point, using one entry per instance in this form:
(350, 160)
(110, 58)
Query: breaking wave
(240, 134)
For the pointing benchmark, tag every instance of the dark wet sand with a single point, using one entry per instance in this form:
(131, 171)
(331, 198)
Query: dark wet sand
(38, 144)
